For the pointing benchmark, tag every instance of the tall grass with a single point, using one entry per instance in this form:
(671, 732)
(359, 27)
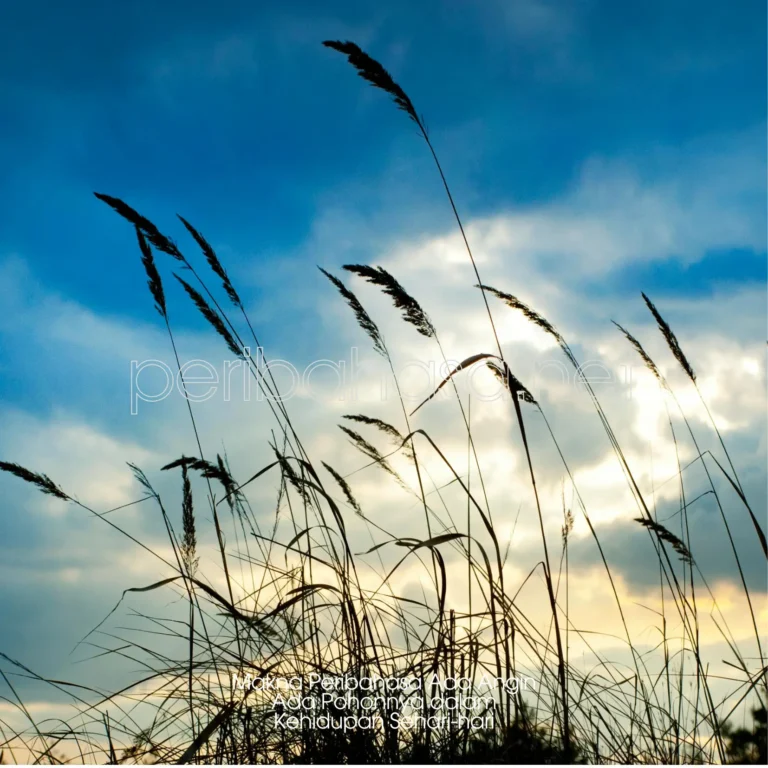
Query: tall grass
(295, 600)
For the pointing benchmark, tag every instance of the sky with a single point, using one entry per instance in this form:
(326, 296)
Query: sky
(594, 149)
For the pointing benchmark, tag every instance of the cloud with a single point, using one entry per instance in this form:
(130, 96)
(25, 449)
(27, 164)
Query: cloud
(616, 213)
(560, 256)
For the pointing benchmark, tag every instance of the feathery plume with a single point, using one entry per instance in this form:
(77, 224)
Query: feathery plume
(211, 316)
(411, 309)
(533, 316)
(184, 461)
(369, 450)
(153, 276)
(213, 261)
(672, 341)
(362, 317)
(142, 479)
(568, 521)
(666, 535)
(150, 231)
(646, 358)
(298, 483)
(224, 476)
(43, 482)
(347, 490)
(384, 427)
(210, 471)
(189, 537)
(372, 71)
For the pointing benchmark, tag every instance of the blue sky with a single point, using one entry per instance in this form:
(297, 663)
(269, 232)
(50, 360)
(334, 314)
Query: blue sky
(243, 123)
(595, 149)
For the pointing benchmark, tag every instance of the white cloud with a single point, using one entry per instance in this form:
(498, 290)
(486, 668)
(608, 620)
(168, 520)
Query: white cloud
(86, 462)
(541, 254)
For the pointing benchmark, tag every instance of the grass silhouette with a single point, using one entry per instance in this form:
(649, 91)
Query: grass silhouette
(310, 606)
